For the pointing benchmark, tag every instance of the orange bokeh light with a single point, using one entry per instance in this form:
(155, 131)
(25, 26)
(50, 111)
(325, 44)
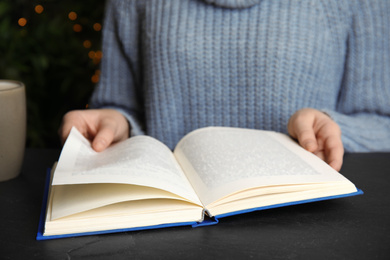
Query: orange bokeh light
(77, 28)
(87, 44)
(22, 22)
(97, 27)
(38, 9)
(98, 54)
(91, 54)
(72, 16)
(95, 78)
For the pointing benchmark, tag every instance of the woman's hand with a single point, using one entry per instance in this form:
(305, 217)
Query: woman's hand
(101, 126)
(319, 134)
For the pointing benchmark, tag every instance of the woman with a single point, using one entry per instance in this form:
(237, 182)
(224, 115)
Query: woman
(318, 70)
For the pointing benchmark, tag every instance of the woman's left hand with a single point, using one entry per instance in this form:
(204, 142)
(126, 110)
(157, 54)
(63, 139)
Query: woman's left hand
(319, 134)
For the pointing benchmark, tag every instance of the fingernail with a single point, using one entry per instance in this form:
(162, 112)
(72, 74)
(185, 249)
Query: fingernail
(99, 145)
(310, 146)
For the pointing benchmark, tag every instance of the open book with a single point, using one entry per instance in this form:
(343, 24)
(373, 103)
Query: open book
(213, 172)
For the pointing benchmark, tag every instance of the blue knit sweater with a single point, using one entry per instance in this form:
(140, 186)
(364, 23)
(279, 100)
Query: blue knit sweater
(172, 66)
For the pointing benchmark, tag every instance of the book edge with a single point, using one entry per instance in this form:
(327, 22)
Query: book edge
(212, 221)
(358, 192)
(40, 236)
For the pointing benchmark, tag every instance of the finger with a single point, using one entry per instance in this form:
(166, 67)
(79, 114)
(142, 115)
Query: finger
(320, 154)
(334, 152)
(63, 133)
(66, 125)
(103, 138)
(305, 135)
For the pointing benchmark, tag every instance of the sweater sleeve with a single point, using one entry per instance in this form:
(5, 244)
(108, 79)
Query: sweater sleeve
(120, 79)
(363, 111)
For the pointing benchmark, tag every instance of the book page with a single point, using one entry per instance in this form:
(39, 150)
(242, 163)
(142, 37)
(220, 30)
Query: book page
(126, 215)
(71, 199)
(220, 161)
(140, 160)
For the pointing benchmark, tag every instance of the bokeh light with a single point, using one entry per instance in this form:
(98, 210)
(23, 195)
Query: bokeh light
(95, 78)
(91, 54)
(87, 44)
(97, 27)
(77, 27)
(38, 9)
(99, 55)
(72, 16)
(22, 21)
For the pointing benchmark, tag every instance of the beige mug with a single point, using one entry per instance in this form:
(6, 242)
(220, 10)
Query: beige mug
(12, 128)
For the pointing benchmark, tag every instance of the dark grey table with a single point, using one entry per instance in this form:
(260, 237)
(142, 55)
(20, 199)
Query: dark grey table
(349, 228)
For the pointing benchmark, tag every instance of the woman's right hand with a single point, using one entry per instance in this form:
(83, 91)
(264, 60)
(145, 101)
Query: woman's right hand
(102, 127)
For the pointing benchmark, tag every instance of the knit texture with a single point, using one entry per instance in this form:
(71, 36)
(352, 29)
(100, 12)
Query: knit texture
(177, 65)
(233, 3)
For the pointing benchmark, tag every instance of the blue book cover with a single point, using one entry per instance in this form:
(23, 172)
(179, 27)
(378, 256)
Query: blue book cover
(205, 222)
(213, 173)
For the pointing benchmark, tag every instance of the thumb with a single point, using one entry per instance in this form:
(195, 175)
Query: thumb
(103, 139)
(301, 128)
(307, 139)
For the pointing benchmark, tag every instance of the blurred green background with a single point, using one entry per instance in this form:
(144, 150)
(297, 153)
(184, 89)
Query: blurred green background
(54, 48)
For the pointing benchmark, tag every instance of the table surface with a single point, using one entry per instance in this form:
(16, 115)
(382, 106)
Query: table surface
(348, 228)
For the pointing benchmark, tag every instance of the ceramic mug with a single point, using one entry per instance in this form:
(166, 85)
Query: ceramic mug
(12, 128)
